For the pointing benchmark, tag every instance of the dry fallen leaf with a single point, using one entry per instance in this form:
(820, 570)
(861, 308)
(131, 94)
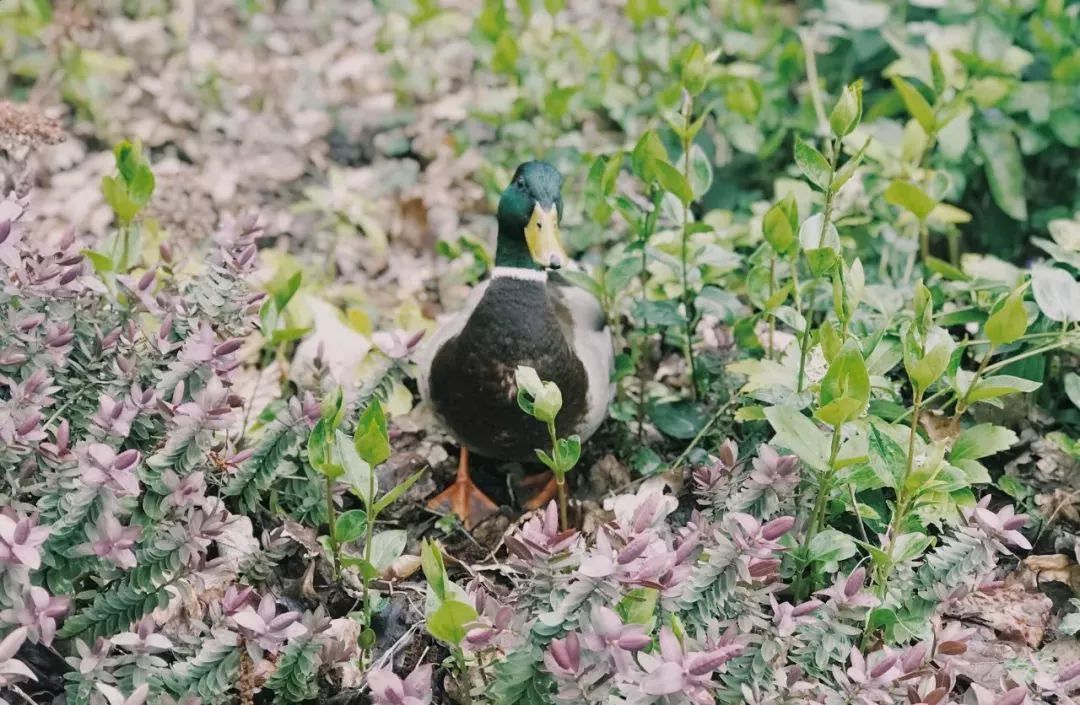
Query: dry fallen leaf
(1015, 614)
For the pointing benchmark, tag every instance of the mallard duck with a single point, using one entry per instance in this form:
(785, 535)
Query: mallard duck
(526, 313)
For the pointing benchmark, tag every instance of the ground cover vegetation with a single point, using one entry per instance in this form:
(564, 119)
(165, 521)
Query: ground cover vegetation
(838, 247)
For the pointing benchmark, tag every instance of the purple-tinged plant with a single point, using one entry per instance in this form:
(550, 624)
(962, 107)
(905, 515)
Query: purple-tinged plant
(713, 482)
(144, 640)
(678, 670)
(12, 670)
(21, 540)
(765, 491)
(108, 695)
(37, 612)
(1001, 526)
(539, 538)
(389, 689)
(101, 467)
(109, 540)
(265, 629)
(397, 344)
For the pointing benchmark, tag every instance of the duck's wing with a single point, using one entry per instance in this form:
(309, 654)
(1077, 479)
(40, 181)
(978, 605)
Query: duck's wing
(585, 325)
(449, 326)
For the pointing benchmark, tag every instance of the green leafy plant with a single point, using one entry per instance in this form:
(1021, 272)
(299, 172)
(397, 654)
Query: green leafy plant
(543, 400)
(352, 461)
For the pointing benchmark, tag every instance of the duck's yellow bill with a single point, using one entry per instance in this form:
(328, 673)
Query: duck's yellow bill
(542, 237)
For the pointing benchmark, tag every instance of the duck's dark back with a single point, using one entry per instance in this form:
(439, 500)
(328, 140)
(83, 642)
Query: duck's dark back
(472, 382)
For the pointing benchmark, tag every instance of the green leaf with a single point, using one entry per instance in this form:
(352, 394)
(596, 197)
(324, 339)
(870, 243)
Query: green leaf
(926, 360)
(1072, 388)
(568, 451)
(648, 151)
(372, 440)
(268, 318)
(333, 407)
(681, 419)
(800, 435)
(116, 196)
(672, 181)
(937, 72)
(820, 245)
(946, 270)
(282, 290)
(141, 186)
(1056, 293)
(845, 389)
(397, 490)
(909, 547)
(916, 104)
(360, 478)
(701, 172)
(506, 54)
(1004, 171)
(999, 386)
(847, 112)
(909, 196)
(547, 460)
(845, 172)
(829, 547)
(386, 546)
(431, 561)
(319, 447)
(639, 606)
(887, 458)
(103, 264)
(350, 526)
(981, 441)
(813, 164)
(1009, 321)
(448, 622)
(694, 69)
(777, 228)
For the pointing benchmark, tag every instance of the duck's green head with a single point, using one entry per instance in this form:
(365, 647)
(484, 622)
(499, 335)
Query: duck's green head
(529, 212)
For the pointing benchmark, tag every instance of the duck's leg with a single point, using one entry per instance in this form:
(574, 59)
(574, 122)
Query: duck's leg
(549, 489)
(464, 498)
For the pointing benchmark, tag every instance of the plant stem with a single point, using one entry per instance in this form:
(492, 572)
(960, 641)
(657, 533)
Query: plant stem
(804, 345)
(645, 229)
(812, 81)
(924, 241)
(370, 533)
(688, 304)
(463, 674)
(331, 518)
(962, 403)
(772, 318)
(560, 478)
(903, 498)
(817, 517)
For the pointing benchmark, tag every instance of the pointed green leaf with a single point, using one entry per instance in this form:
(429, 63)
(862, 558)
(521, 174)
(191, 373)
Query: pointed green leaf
(981, 441)
(372, 439)
(1009, 321)
(448, 622)
(916, 104)
(1004, 171)
(813, 164)
(350, 526)
(910, 197)
(848, 110)
(395, 492)
(672, 181)
(800, 435)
